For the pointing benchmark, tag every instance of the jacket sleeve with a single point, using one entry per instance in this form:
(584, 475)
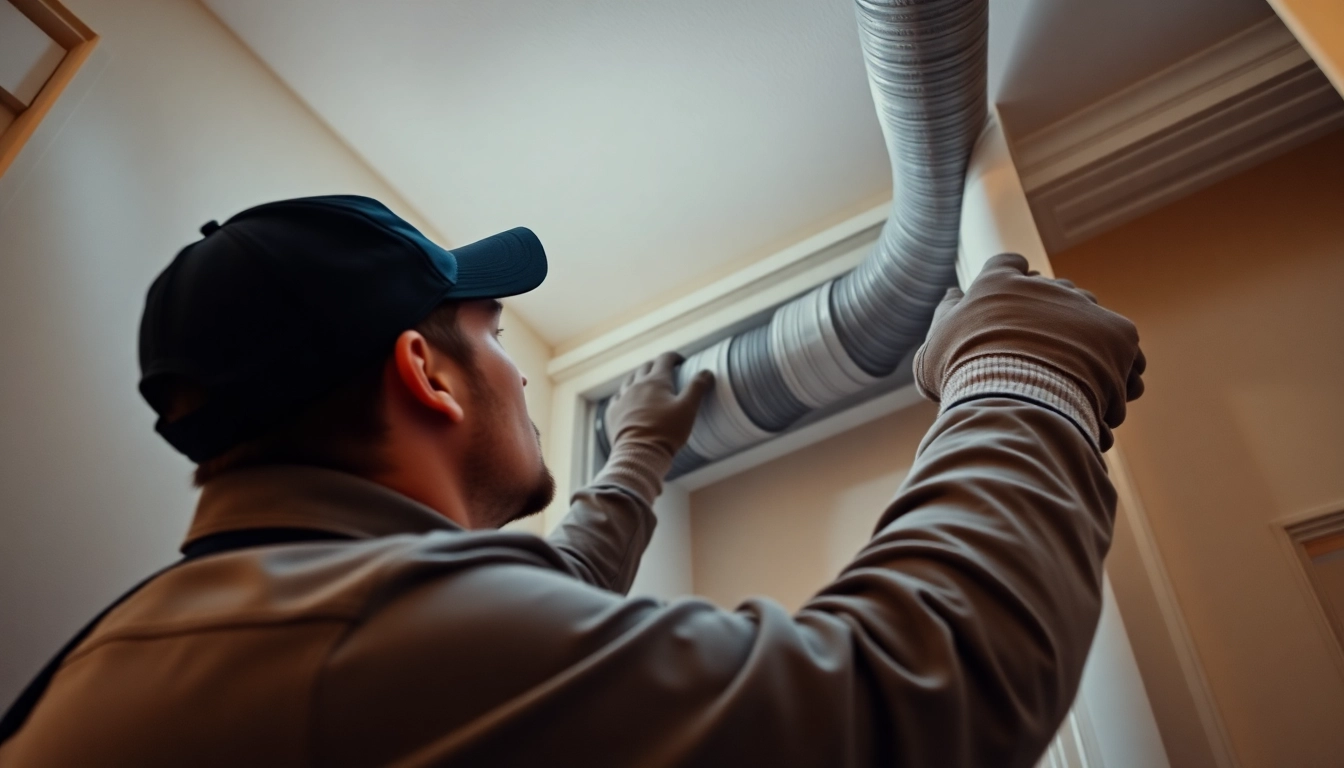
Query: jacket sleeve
(970, 614)
(604, 535)
(956, 637)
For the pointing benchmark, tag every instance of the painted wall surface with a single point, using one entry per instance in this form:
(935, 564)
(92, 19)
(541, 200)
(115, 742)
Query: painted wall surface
(665, 569)
(172, 123)
(1236, 293)
(786, 528)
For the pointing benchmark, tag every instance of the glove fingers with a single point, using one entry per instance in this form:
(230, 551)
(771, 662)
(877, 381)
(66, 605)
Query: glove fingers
(696, 390)
(1067, 283)
(922, 382)
(1115, 411)
(950, 300)
(1006, 262)
(928, 381)
(665, 364)
(1134, 384)
(625, 384)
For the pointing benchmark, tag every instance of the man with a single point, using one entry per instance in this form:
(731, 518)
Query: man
(360, 435)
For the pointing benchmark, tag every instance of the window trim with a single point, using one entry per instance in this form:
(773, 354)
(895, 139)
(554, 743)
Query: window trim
(1296, 533)
(78, 41)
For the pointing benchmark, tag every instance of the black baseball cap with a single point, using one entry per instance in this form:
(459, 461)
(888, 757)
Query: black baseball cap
(284, 302)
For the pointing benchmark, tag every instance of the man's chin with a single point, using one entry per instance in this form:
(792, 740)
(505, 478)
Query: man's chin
(540, 497)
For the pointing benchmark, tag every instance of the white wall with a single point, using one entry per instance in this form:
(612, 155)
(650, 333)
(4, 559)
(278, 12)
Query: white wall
(172, 123)
(1115, 699)
(665, 569)
(786, 528)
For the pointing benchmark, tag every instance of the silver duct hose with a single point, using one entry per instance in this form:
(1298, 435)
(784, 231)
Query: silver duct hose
(926, 64)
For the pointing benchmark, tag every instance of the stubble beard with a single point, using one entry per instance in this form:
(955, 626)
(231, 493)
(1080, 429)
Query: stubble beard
(496, 496)
(543, 491)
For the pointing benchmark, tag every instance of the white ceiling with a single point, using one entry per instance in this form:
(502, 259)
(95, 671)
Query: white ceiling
(652, 146)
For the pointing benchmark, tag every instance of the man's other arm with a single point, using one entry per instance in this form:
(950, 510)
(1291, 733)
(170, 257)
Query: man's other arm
(611, 521)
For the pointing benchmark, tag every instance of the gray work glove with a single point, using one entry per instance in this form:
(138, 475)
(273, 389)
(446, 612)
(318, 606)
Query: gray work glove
(648, 410)
(648, 422)
(1010, 312)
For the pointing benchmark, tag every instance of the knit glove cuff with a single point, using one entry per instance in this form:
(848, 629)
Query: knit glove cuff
(1021, 378)
(637, 467)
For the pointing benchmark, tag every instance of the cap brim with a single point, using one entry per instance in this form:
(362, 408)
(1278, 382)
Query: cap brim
(505, 264)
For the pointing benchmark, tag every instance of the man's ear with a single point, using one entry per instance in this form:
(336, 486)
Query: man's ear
(425, 373)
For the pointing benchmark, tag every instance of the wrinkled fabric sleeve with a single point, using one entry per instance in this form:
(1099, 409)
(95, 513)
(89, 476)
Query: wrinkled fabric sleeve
(974, 606)
(611, 521)
(956, 638)
(604, 535)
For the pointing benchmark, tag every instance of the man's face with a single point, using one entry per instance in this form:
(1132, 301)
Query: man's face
(506, 475)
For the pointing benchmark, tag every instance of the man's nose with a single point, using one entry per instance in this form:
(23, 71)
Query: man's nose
(524, 378)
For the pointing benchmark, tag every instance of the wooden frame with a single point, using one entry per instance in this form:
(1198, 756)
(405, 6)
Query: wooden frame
(1294, 533)
(78, 41)
(1319, 26)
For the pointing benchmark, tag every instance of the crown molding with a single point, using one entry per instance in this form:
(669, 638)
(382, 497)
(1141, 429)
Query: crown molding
(1235, 104)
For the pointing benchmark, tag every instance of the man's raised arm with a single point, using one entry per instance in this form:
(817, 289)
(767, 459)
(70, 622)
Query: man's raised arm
(967, 619)
(957, 636)
(610, 521)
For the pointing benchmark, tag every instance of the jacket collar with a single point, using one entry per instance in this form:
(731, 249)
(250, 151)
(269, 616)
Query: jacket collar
(309, 497)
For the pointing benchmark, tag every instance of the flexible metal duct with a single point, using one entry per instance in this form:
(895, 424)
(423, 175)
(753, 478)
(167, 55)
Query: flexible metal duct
(926, 64)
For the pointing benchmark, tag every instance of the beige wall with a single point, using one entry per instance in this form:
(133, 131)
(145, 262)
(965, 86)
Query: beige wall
(1238, 293)
(171, 123)
(786, 528)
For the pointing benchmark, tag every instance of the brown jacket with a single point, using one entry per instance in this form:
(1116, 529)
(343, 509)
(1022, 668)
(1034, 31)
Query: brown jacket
(955, 638)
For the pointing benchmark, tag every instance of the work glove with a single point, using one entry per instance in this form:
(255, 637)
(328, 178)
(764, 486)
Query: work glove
(1009, 312)
(648, 422)
(648, 410)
